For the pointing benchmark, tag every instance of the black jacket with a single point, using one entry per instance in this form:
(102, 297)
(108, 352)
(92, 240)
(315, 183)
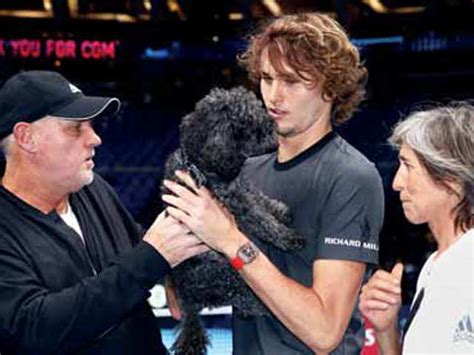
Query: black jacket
(58, 296)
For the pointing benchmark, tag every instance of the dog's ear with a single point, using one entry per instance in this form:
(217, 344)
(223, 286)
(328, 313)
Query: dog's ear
(254, 127)
(193, 132)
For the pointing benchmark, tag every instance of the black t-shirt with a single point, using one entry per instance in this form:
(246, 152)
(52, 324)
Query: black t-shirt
(335, 196)
(51, 301)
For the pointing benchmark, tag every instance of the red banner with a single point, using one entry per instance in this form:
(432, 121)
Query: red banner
(59, 49)
(370, 346)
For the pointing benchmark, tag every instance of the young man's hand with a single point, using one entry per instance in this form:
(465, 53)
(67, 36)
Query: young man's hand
(198, 210)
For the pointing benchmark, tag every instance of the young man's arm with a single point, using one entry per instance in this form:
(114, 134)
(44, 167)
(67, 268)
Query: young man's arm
(318, 315)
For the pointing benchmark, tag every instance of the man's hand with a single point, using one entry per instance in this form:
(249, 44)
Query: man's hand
(173, 240)
(203, 215)
(380, 298)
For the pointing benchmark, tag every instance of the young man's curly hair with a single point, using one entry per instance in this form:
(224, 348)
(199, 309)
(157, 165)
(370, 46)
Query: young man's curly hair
(316, 47)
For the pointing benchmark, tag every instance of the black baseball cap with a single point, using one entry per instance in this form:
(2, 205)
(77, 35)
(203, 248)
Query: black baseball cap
(32, 95)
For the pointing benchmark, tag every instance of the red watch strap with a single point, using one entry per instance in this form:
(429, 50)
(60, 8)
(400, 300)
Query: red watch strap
(237, 263)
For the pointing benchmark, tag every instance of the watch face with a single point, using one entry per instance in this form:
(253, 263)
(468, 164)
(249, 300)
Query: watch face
(248, 252)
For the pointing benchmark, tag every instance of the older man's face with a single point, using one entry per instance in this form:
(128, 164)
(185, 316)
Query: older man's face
(65, 152)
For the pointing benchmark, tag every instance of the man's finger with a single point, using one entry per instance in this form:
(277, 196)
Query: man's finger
(177, 202)
(161, 217)
(180, 191)
(188, 180)
(179, 215)
(177, 228)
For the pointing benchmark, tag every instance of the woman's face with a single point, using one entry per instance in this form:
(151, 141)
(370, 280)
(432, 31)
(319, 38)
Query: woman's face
(423, 199)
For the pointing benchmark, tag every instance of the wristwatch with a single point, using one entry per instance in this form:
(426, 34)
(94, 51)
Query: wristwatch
(245, 255)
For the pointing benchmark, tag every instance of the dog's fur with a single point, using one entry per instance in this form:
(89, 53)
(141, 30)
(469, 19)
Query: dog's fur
(215, 140)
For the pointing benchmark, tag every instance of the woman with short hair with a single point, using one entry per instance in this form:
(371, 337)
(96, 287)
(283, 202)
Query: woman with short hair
(436, 184)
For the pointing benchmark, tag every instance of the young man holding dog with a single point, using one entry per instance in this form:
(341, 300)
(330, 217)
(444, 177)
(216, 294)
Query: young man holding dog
(74, 268)
(310, 78)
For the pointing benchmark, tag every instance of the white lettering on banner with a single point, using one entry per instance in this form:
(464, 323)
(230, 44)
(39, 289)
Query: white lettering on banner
(354, 243)
(369, 337)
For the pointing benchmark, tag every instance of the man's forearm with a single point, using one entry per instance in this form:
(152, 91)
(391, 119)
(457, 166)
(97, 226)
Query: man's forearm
(65, 320)
(299, 308)
(296, 306)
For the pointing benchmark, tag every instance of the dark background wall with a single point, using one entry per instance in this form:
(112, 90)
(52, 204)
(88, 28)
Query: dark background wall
(161, 58)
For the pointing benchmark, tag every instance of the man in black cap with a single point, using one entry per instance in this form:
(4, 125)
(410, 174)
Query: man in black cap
(74, 268)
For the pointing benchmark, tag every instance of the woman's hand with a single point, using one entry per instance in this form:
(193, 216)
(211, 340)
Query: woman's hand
(380, 298)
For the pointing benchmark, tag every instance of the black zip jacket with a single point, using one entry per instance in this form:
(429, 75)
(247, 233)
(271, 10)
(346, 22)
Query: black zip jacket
(58, 296)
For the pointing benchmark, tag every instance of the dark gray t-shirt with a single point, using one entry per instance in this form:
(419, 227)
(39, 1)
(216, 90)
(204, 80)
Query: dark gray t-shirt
(335, 196)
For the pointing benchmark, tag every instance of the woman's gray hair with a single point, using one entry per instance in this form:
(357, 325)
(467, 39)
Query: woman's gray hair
(443, 140)
(5, 144)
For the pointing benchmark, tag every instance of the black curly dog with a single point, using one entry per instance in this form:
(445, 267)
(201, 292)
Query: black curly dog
(215, 140)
